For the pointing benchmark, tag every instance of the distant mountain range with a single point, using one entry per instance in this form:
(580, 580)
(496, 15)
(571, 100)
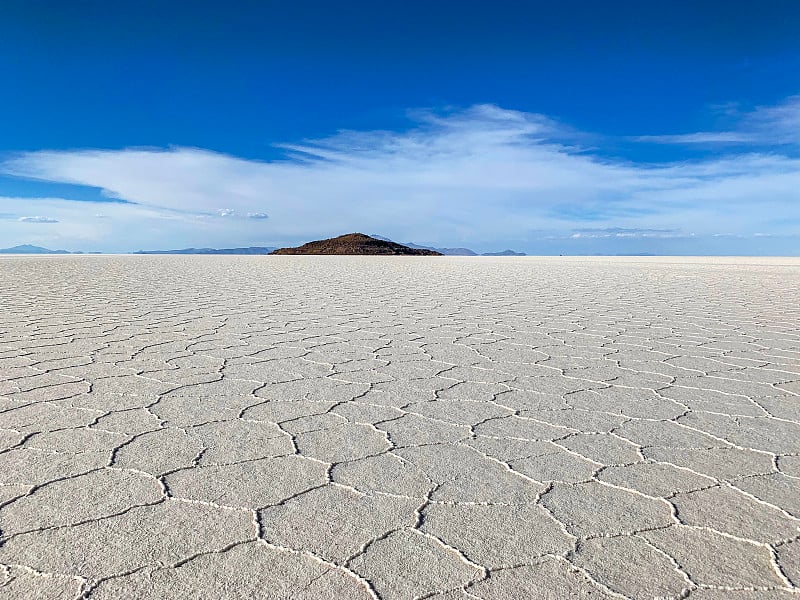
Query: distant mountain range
(454, 251)
(504, 253)
(445, 251)
(28, 249)
(256, 250)
(248, 250)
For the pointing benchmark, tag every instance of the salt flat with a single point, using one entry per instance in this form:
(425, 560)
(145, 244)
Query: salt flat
(363, 427)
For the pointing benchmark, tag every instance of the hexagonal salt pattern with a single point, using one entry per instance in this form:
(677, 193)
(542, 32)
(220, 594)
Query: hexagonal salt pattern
(365, 427)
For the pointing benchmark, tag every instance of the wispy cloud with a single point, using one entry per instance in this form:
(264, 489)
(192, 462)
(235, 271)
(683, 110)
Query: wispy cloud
(703, 137)
(780, 123)
(462, 177)
(626, 232)
(37, 220)
(764, 125)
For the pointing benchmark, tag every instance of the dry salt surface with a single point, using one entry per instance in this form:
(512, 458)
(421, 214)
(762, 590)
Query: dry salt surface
(364, 427)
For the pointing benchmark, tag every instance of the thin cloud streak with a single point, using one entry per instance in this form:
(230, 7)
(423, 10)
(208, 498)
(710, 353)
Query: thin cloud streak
(703, 137)
(765, 125)
(37, 220)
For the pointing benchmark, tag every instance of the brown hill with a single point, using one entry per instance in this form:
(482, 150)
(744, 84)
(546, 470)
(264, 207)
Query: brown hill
(355, 243)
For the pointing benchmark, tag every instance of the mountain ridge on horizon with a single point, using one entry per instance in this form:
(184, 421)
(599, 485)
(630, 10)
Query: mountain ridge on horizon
(31, 249)
(453, 251)
(253, 250)
(246, 250)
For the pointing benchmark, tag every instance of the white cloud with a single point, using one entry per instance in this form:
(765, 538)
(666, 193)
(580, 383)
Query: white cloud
(78, 228)
(478, 177)
(257, 215)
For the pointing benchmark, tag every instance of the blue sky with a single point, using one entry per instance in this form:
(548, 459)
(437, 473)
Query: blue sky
(570, 127)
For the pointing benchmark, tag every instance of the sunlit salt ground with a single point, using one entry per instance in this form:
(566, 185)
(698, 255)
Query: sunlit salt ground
(337, 427)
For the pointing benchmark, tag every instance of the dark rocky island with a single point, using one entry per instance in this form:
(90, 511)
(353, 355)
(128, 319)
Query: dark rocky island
(357, 244)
